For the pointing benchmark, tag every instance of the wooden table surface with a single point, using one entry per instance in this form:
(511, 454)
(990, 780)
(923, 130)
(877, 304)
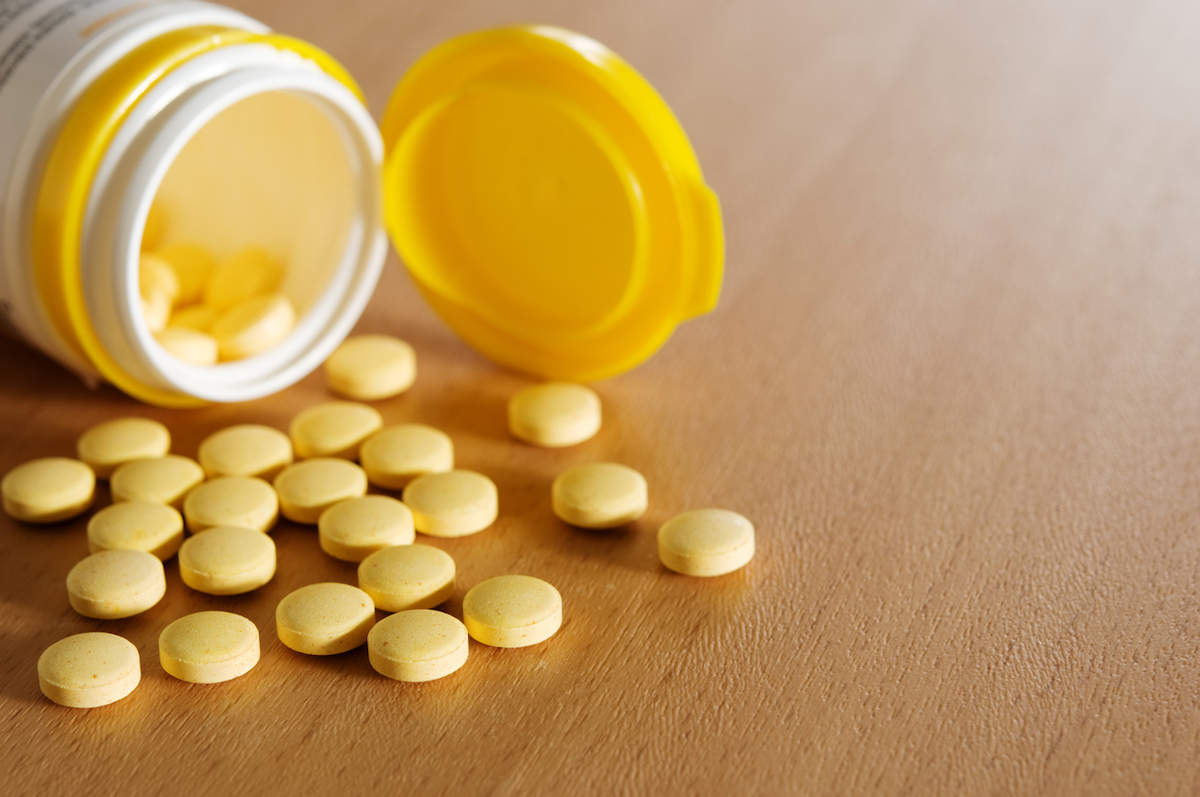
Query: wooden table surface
(954, 380)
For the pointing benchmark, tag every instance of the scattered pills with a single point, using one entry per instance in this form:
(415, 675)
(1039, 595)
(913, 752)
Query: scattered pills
(209, 647)
(48, 490)
(512, 611)
(452, 504)
(407, 577)
(308, 488)
(231, 501)
(189, 345)
(599, 495)
(246, 450)
(554, 414)
(253, 326)
(110, 585)
(193, 267)
(706, 542)
(333, 429)
(89, 670)
(394, 456)
(246, 274)
(370, 367)
(165, 480)
(227, 560)
(108, 445)
(358, 527)
(324, 619)
(154, 528)
(417, 645)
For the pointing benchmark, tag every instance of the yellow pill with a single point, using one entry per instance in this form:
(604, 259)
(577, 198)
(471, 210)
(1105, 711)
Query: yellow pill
(370, 367)
(599, 495)
(407, 577)
(333, 429)
(193, 267)
(706, 542)
(108, 445)
(209, 647)
(244, 275)
(163, 480)
(155, 275)
(155, 228)
(354, 529)
(324, 619)
(198, 317)
(512, 611)
(156, 311)
(227, 560)
(554, 414)
(189, 345)
(48, 490)
(136, 526)
(452, 504)
(110, 585)
(253, 326)
(89, 670)
(246, 450)
(306, 489)
(396, 455)
(231, 501)
(417, 645)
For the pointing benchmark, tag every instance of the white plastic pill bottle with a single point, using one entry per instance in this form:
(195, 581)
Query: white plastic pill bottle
(541, 194)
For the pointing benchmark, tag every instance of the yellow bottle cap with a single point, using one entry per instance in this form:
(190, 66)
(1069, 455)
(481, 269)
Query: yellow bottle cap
(547, 202)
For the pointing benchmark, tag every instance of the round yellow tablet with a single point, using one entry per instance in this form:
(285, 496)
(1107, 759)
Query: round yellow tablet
(323, 619)
(48, 490)
(193, 266)
(334, 429)
(165, 480)
(246, 450)
(154, 528)
(706, 542)
(156, 311)
(190, 345)
(231, 501)
(306, 489)
(355, 528)
(89, 670)
(394, 456)
(407, 577)
(227, 560)
(244, 275)
(253, 326)
(209, 647)
(155, 275)
(114, 584)
(417, 645)
(198, 317)
(512, 611)
(599, 495)
(554, 414)
(370, 367)
(452, 504)
(108, 445)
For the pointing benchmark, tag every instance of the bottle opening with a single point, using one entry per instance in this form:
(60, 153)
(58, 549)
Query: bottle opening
(250, 223)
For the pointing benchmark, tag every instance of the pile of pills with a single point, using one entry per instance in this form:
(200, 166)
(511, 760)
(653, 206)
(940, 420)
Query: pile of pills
(319, 474)
(203, 310)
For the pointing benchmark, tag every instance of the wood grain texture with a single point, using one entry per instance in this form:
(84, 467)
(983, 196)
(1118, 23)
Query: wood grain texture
(953, 380)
